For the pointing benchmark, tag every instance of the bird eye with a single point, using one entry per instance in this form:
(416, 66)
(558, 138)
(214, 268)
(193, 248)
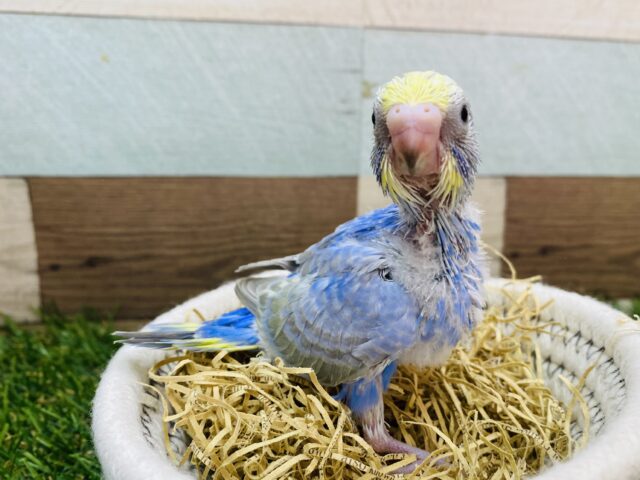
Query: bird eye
(385, 274)
(464, 114)
(373, 118)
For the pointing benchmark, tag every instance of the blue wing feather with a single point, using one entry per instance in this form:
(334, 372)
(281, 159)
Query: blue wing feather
(343, 319)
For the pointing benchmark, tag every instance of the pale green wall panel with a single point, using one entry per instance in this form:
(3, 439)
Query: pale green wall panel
(542, 106)
(99, 96)
(88, 96)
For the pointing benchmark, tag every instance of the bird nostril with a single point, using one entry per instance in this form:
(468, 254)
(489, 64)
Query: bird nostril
(398, 110)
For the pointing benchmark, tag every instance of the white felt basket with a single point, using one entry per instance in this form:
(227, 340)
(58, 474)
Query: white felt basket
(127, 425)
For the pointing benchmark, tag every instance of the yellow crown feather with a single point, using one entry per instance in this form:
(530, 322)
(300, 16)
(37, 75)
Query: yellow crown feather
(418, 87)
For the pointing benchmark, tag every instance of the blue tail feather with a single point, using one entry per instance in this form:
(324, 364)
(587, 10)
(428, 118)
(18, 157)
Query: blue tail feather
(237, 326)
(231, 331)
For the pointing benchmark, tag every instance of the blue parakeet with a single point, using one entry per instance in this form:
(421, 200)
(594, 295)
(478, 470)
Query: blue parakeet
(402, 284)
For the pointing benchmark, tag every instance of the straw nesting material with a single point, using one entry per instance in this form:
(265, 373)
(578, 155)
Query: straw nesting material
(486, 414)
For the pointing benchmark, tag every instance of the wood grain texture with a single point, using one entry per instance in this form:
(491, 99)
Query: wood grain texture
(489, 195)
(19, 284)
(145, 244)
(579, 233)
(609, 19)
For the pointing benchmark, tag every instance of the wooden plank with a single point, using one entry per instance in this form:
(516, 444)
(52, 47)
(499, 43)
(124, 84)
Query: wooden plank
(489, 195)
(105, 97)
(370, 196)
(145, 244)
(593, 19)
(327, 12)
(542, 107)
(613, 19)
(579, 233)
(19, 284)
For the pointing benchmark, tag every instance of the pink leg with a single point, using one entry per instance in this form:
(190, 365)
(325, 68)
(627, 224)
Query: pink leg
(385, 443)
(376, 434)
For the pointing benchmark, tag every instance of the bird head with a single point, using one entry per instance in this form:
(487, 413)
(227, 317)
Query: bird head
(425, 155)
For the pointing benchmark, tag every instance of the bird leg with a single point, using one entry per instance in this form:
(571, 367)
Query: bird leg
(365, 400)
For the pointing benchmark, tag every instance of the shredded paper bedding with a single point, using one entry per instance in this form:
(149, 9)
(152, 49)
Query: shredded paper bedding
(486, 414)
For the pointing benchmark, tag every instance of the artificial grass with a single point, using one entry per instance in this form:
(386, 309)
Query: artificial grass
(48, 378)
(630, 306)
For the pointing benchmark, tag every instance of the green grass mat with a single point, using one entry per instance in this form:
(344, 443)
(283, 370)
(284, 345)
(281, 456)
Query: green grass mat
(48, 376)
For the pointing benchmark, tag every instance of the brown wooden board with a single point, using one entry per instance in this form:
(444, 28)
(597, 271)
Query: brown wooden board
(582, 234)
(145, 244)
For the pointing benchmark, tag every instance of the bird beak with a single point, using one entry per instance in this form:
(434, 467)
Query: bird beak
(415, 138)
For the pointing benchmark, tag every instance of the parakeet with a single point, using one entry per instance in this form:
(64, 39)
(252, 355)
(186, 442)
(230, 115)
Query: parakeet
(402, 284)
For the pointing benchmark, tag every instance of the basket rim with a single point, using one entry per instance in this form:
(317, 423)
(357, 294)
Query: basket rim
(125, 454)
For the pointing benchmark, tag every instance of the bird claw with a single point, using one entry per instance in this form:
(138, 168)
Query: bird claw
(384, 444)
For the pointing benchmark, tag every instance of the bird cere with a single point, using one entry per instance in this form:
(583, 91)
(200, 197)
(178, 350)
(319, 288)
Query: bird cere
(398, 286)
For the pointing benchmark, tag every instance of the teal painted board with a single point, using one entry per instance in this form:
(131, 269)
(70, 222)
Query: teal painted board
(98, 96)
(542, 106)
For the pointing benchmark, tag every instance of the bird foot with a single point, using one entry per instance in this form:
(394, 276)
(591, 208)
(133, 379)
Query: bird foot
(387, 444)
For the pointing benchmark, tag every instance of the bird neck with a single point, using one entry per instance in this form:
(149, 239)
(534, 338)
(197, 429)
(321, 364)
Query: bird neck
(455, 235)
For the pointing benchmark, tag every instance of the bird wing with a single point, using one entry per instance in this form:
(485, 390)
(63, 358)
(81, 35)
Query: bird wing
(362, 228)
(285, 263)
(344, 320)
